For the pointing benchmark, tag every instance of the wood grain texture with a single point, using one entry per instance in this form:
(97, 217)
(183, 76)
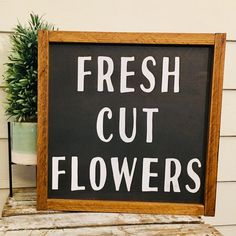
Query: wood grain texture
(214, 125)
(137, 230)
(125, 206)
(43, 50)
(140, 38)
(72, 220)
(23, 202)
(18, 222)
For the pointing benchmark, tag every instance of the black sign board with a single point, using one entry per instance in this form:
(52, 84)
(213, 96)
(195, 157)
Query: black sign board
(129, 122)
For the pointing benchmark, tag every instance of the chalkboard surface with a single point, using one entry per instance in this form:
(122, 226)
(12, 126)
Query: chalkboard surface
(128, 122)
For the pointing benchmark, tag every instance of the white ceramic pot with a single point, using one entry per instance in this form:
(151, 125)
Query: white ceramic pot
(24, 143)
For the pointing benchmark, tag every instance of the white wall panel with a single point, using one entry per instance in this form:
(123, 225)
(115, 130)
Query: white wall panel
(225, 205)
(228, 116)
(3, 118)
(4, 52)
(132, 15)
(230, 68)
(227, 159)
(3, 163)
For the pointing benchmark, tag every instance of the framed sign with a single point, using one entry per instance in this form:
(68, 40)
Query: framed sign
(129, 122)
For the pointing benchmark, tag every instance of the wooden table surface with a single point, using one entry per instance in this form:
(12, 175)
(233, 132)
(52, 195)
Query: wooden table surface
(20, 217)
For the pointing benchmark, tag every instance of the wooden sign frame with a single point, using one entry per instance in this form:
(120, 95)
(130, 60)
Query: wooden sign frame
(208, 207)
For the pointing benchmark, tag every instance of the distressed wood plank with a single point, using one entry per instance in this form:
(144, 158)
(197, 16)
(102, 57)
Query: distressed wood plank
(25, 196)
(164, 230)
(75, 220)
(66, 223)
(23, 202)
(13, 208)
(22, 210)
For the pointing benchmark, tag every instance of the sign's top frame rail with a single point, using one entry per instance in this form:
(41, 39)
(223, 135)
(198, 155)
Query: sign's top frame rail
(132, 38)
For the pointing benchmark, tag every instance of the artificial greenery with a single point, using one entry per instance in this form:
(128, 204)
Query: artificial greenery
(21, 73)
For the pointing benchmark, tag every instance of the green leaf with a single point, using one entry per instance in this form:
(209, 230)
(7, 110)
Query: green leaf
(21, 69)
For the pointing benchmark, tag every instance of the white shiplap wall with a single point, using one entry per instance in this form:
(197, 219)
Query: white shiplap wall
(141, 16)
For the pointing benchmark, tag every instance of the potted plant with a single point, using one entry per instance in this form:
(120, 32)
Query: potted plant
(21, 88)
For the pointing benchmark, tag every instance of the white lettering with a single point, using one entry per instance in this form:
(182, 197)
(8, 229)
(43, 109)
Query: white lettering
(193, 176)
(82, 72)
(100, 121)
(147, 175)
(148, 74)
(92, 173)
(149, 134)
(105, 77)
(74, 175)
(124, 74)
(56, 172)
(122, 125)
(118, 174)
(166, 73)
(172, 179)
